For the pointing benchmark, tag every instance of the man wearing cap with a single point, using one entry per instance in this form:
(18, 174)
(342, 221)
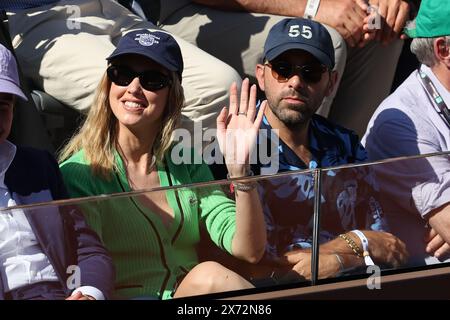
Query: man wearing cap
(415, 119)
(41, 248)
(296, 75)
(366, 42)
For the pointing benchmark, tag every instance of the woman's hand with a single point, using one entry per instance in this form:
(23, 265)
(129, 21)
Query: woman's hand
(237, 129)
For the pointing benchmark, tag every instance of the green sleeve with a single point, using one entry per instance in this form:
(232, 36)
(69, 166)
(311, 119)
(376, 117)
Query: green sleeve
(217, 211)
(79, 182)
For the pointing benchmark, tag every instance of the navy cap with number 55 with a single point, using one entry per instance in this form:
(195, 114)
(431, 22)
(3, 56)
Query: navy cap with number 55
(303, 34)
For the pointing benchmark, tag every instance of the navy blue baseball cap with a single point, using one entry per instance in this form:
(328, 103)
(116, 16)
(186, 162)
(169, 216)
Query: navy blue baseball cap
(159, 46)
(303, 34)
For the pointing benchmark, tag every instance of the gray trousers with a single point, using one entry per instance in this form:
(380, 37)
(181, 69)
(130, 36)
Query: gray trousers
(62, 48)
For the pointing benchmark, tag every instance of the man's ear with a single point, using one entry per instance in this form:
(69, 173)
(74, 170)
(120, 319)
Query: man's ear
(259, 73)
(442, 51)
(332, 82)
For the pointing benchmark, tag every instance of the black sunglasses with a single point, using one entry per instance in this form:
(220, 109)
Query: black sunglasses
(282, 71)
(150, 80)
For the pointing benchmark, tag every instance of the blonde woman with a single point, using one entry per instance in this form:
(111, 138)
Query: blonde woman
(125, 145)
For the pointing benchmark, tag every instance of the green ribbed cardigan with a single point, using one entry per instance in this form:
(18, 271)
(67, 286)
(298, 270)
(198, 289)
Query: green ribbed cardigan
(148, 256)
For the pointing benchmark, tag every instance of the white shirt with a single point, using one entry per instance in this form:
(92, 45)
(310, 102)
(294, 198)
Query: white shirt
(22, 261)
(405, 124)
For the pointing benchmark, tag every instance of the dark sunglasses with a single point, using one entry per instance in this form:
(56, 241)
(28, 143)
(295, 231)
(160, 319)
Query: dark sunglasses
(282, 71)
(150, 80)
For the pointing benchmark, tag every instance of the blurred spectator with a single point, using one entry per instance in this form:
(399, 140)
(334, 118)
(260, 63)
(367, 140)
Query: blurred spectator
(39, 246)
(415, 119)
(28, 127)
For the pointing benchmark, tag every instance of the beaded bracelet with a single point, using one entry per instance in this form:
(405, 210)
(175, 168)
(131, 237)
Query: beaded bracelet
(242, 186)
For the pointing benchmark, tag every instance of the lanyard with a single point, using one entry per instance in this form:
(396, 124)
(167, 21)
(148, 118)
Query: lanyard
(442, 108)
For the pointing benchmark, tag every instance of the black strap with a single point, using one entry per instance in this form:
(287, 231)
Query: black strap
(443, 110)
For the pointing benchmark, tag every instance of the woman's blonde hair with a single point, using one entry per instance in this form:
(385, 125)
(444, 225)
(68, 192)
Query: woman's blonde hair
(98, 134)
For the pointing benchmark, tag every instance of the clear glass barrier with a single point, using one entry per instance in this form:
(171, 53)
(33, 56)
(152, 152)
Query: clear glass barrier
(155, 237)
(394, 196)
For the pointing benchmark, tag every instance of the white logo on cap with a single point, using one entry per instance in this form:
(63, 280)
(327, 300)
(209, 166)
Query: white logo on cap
(147, 39)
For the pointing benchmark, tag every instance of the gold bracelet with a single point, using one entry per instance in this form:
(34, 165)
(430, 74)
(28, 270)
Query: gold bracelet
(352, 244)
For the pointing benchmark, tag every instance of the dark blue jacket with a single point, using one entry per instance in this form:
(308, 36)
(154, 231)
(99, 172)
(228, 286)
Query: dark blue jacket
(62, 232)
